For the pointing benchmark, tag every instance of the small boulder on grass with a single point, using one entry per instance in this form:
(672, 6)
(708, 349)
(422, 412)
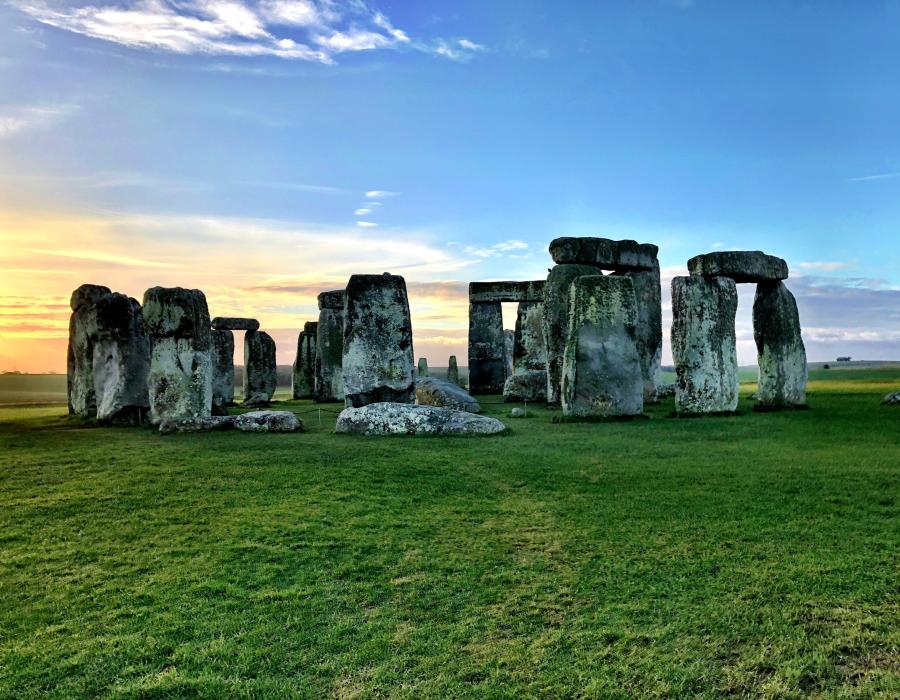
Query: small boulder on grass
(892, 399)
(517, 412)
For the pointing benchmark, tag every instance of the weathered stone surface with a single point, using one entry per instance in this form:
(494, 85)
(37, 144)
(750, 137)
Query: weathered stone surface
(526, 385)
(260, 370)
(487, 348)
(228, 323)
(601, 367)
(782, 355)
(509, 345)
(303, 382)
(517, 412)
(604, 253)
(378, 349)
(268, 422)
(121, 360)
(739, 265)
(422, 369)
(529, 350)
(506, 291)
(648, 294)
(892, 399)
(556, 321)
(453, 370)
(703, 344)
(409, 419)
(180, 379)
(223, 371)
(431, 391)
(329, 379)
(82, 399)
(196, 424)
(665, 391)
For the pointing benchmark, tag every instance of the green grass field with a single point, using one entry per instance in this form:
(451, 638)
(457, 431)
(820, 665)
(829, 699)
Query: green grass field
(753, 556)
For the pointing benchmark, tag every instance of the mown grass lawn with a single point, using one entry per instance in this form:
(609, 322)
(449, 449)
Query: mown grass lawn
(754, 556)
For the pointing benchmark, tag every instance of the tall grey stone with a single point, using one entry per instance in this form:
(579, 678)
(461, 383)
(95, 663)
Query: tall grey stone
(509, 346)
(303, 383)
(422, 369)
(223, 371)
(556, 321)
(82, 399)
(648, 295)
(329, 379)
(703, 344)
(121, 360)
(452, 370)
(260, 369)
(782, 355)
(180, 379)
(487, 348)
(739, 265)
(529, 350)
(378, 347)
(601, 373)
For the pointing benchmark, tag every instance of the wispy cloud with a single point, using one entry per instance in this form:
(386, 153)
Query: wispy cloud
(99, 256)
(823, 265)
(362, 211)
(877, 176)
(366, 224)
(307, 30)
(380, 194)
(19, 120)
(294, 186)
(512, 248)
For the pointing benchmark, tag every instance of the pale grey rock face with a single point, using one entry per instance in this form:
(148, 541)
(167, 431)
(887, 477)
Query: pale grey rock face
(80, 353)
(378, 343)
(556, 321)
(739, 265)
(601, 367)
(703, 344)
(410, 419)
(665, 391)
(260, 371)
(180, 379)
(648, 294)
(202, 424)
(453, 370)
(431, 391)
(268, 422)
(121, 360)
(303, 383)
(223, 371)
(517, 412)
(891, 399)
(506, 291)
(422, 369)
(228, 323)
(526, 385)
(529, 350)
(604, 253)
(487, 348)
(509, 345)
(782, 355)
(329, 378)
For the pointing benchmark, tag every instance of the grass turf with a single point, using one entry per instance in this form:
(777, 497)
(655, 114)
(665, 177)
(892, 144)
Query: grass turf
(753, 556)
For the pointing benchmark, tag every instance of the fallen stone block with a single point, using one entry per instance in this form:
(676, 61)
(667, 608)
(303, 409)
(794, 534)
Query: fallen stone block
(892, 399)
(526, 385)
(385, 418)
(198, 424)
(268, 422)
(431, 391)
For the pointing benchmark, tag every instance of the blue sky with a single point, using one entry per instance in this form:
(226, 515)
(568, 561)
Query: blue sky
(286, 143)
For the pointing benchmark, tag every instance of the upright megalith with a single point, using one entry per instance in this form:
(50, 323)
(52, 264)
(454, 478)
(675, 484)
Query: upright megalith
(303, 382)
(180, 379)
(487, 348)
(452, 370)
(703, 345)
(556, 320)
(601, 371)
(329, 380)
(223, 371)
(782, 355)
(260, 370)
(82, 399)
(377, 348)
(529, 349)
(509, 345)
(648, 295)
(121, 360)
(422, 368)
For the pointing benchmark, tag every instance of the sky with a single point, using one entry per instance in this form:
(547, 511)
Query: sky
(265, 150)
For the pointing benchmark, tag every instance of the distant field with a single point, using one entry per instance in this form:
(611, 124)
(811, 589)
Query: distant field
(748, 557)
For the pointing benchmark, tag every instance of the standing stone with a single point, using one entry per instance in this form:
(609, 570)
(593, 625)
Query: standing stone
(601, 365)
(509, 345)
(487, 348)
(260, 369)
(121, 360)
(452, 370)
(529, 350)
(703, 344)
(303, 381)
(223, 371)
(82, 399)
(782, 356)
(180, 379)
(648, 294)
(378, 349)
(422, 370)
(556, 321)
(329, 379)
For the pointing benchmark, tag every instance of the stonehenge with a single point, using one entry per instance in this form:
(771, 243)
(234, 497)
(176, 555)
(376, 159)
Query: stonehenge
(378, 344)
(260, 370)
(739, 265)
(452, 370)
(329, 379)
(431, 391)
(223, 371)
(422, 367)
(384, 418)
(228, 323)
(782, 356)
(82, 397)
(303, 376)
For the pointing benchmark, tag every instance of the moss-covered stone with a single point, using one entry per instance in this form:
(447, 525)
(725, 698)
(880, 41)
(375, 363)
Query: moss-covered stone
(782, 355)
(260, 370)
